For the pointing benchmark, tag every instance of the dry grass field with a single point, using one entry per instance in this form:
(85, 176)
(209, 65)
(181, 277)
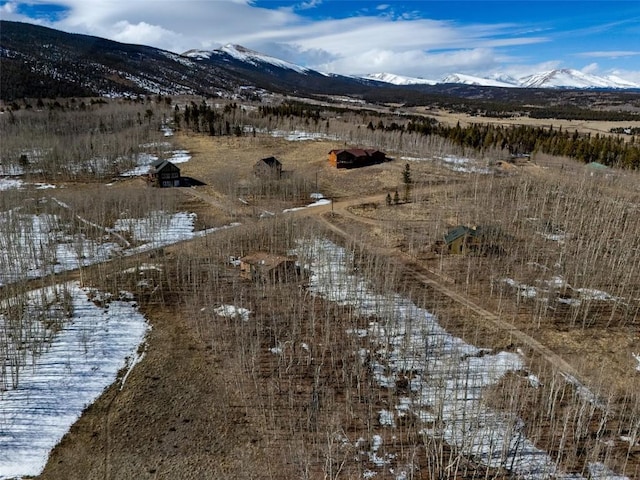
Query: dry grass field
(210, 400)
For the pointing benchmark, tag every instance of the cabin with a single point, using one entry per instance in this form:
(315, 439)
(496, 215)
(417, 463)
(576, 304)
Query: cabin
(268, 267)
(356, 157)
(461, 240)
(269, 167)
(163, 173)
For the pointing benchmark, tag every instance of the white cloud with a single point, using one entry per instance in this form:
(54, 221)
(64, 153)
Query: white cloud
(8, 8)
(9, 11)
(366, 44)
(609, 54)
(417, 62)
(199, 24)
(307, 5)
(142, 33)
(592, 68)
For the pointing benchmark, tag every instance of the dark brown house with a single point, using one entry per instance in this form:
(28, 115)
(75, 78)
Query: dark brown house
(267, 267)
(163, 173)
(356, 157)
(269, 167)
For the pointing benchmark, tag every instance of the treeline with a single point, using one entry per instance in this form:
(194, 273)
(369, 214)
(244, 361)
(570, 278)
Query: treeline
(203, 118)
(310, 111)
(297, 109)
(568, 112)
(523, 139)
(626, 130)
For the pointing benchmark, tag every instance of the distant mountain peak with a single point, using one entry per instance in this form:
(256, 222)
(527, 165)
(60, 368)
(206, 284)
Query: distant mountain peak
(570, 78)
(244, 54)
(234, 48)
(473, 80)
(399, 79)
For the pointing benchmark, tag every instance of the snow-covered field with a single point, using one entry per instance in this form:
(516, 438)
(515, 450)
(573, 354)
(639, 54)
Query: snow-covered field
(545, 287)
(67, 362)
(32, 246)
(144, 161)
(291, 135)
(17, 184)
(82, 359)
(36, 245)
(448, 374)
(455, 163)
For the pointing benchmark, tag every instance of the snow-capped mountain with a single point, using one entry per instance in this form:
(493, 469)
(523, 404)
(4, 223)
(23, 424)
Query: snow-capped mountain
(568, 78)
(565, 78)
(504, 78)
(242, 54)
(622, 82)
(472, 80)
(399, 79)
(274, 74)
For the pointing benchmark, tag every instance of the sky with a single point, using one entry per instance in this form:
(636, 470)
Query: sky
(428, 39)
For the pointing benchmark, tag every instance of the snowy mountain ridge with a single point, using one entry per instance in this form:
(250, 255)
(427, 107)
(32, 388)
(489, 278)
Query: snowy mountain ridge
(473, 80)
(399, 79)
(561, 78)
(573, 78)
(246, 55)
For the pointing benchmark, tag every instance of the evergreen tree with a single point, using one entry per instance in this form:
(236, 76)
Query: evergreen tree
(408, 181)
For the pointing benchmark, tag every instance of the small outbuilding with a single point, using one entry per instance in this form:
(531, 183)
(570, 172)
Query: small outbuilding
(356, 157)
(163, 173)
(268, 267)
(269, 167)
(461, 240)
(595, 168)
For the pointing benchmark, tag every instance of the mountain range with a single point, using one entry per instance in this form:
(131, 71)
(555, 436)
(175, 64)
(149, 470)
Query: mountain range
(561, 78)
(42, 62)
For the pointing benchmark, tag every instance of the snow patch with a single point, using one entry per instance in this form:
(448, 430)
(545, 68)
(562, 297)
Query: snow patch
(448, 376)
(637, 358)
(83, 358)
(317, 203)
(231, 311)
